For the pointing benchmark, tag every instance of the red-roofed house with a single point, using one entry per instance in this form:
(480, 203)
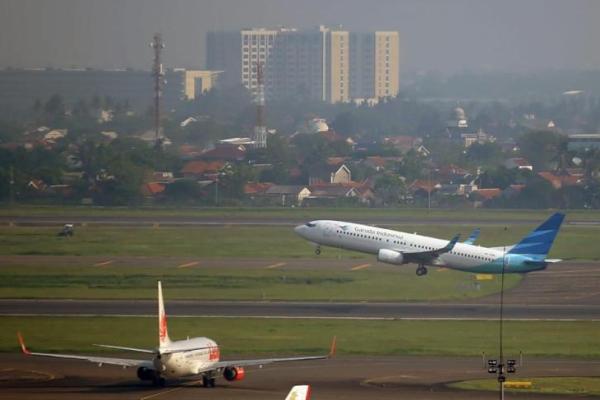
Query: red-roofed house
(254, 188)
(199, 169)
(225, 152)
(519, 163)
(559, 181)
(152, 189)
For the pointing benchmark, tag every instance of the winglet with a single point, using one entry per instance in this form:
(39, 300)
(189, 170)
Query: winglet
(473, 237)
(24, 348)
(332, 349)
(451, 243)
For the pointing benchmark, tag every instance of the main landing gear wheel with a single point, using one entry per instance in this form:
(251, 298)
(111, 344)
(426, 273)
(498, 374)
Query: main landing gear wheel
(318, 251)
(421, 270)
(208, 382)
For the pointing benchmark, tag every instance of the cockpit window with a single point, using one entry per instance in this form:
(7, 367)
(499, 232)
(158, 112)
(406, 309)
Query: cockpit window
(310, 224)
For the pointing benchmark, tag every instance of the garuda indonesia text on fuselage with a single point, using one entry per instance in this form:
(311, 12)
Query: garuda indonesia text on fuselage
(395, 247)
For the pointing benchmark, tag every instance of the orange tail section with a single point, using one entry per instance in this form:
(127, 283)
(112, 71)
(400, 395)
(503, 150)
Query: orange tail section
(24, 348)
(333, 348)
(163, 332)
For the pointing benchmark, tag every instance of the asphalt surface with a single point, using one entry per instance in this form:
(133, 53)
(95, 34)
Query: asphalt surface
(377, 378)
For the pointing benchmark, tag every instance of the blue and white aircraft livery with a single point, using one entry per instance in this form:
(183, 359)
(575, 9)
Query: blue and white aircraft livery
(395, 247)
(192, 357)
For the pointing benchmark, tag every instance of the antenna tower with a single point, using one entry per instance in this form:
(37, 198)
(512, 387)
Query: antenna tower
(158, 74)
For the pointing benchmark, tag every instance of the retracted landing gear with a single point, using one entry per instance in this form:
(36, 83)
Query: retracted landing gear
(318, 250)
(208, 382)
(421, 270)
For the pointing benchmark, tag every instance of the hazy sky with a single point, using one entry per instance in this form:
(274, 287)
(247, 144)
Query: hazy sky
(443, 35)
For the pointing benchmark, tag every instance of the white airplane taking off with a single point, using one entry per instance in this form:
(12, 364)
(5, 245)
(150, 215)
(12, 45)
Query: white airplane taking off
(395, 247)
(177, 359)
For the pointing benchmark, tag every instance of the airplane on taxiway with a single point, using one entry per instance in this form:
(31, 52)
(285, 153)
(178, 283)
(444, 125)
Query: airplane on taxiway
(395, 247)
(198, 356)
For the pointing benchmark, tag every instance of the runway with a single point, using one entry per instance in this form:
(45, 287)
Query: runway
(316, 310)
(377, 378)
(567, 291)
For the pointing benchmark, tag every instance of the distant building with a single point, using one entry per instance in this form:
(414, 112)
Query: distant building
(328, 64)
(19, 88)
(584, 141)
(195, 83)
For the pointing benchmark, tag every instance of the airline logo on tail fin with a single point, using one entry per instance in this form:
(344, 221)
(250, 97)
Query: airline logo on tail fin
(540, 240)
(163, 334)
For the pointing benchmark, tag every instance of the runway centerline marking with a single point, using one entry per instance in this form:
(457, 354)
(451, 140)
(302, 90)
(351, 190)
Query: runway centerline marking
(103, 263)
(359, 267)
(190, 264)
(273, 266)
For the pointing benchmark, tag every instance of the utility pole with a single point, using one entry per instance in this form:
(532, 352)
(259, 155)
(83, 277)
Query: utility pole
(158, 75)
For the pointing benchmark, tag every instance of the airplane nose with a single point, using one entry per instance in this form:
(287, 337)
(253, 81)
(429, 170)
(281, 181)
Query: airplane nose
(299, 229)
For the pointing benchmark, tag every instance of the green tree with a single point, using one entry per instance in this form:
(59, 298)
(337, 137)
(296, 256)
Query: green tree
(541, 148)
(55, 110)
(390, 189)
(484, 154)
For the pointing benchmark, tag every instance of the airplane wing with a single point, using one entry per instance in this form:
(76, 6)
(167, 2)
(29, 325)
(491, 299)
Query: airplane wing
(123, 362)
(429, 255)
(263, 361)
(299, 392)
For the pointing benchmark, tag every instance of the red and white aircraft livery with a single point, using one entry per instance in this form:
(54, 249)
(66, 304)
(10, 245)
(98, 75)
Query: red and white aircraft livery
(177, 359)
(300, 392)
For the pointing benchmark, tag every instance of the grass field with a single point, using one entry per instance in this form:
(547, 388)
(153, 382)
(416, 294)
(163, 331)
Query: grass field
(581, 386)
(113, 282)
(246, 336)
(255, 242)
(296, 213)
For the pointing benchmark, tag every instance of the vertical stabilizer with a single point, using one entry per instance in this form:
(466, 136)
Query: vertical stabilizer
(537, 244)
(163, 333)
(300, 392)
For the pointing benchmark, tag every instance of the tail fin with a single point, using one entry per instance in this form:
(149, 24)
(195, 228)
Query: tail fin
(539, 241)
(300, 392)
(163, 333)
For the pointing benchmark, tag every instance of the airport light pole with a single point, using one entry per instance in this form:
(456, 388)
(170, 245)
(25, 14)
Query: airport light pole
(498, 366)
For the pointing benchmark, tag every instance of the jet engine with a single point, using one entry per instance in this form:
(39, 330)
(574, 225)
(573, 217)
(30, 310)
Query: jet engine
(390, 257)
(234, 373)
(146, 374)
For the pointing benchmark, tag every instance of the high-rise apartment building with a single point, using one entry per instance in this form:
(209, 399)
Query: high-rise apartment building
(329, 64)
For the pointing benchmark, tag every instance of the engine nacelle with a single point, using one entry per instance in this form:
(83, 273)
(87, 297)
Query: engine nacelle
(146, 374)
(390, 257)
(234, 373)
